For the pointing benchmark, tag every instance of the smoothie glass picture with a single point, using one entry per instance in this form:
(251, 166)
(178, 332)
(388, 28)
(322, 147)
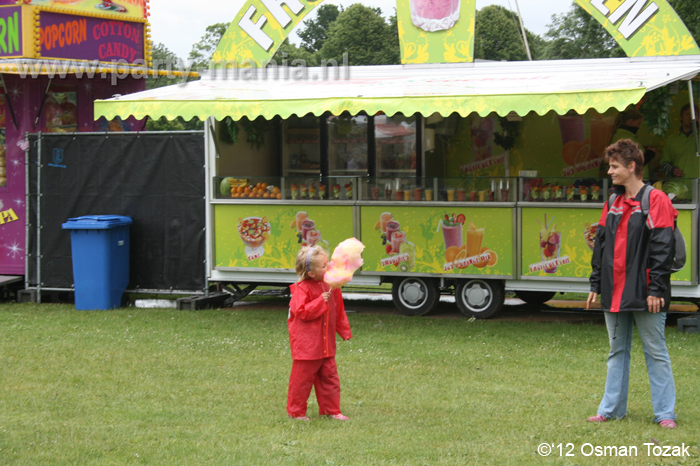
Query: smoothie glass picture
(572, 127)
(482, 137)
(397, 238)
(391, 227)
(312, 237)
(306, 226)
(475, 238)
(434, 15)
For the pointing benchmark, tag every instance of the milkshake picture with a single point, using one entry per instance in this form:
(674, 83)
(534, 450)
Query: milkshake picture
(452, 234)
(312, 237)
(434, 15)
(391, 227)
(306, 226)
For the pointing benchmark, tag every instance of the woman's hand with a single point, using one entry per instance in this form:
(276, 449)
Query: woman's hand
(591, 299)
(655, 304)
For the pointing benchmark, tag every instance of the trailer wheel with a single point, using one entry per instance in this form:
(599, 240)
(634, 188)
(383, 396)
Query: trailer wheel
(415, 296)
(480, 298)
(535, 297)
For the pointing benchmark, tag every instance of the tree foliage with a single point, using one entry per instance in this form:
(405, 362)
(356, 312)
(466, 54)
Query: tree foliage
(498, 36)
(577, 34)
(202, 51)
(364, 35)
(689, 11)
(315, 31)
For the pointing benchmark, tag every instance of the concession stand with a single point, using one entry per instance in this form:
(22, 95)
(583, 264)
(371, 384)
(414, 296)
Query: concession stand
(56, 58)
(465, 178)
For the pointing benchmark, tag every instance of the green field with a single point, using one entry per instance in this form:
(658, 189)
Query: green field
(166, 387)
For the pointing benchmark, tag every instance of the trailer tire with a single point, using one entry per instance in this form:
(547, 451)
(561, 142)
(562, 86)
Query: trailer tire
(535, 297)
(478, 298)
(415, 296)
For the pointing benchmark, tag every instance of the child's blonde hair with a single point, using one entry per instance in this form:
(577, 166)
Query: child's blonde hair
(306, 260)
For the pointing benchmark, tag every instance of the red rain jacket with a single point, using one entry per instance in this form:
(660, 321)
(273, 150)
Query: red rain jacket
(633, 254)
(313, 323)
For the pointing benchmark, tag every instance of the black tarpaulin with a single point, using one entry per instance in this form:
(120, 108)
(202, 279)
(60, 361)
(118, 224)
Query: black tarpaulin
(157, 179)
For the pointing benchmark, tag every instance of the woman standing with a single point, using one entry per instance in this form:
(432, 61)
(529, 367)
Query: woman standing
(631, 272)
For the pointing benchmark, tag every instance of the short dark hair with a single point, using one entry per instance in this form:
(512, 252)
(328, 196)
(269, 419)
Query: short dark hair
(687, 107)
(626, 151)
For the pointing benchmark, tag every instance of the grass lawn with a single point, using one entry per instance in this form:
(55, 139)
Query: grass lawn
(166, 387)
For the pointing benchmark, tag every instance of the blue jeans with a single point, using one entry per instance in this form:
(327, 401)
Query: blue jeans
(651, 330)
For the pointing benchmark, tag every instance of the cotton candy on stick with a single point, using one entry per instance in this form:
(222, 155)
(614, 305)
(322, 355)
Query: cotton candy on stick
(346, 259)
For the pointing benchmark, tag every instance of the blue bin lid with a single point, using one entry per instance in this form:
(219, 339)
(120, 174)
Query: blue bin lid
(96, 222)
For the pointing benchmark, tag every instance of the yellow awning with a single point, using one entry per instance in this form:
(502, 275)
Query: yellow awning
(482, 87)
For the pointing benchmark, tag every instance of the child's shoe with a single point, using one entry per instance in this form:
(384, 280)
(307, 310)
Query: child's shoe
(597, 418)
(668, 424)
(300, 418)
(339, 417)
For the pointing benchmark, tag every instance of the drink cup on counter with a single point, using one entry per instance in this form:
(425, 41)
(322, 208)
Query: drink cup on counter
(399, 195)
(461, 195)
(482, 196)
(387, 192)
(417, 194)
(472, 196)
(407, 195)
(428, 194)
(374, 192)
(450, 194)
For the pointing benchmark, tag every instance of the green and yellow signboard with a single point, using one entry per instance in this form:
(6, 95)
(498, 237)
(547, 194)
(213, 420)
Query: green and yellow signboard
(643, 28)
(438, 240)
(269, 236)
(558, 242)
(436, 31)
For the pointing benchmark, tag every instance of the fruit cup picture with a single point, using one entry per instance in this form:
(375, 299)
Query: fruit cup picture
(589, 235)
(550, 243)
(254, 231)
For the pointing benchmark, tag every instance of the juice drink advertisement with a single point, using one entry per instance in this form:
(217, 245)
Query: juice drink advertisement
(572, 128)
(452, 235)
(384, 218)
(434, 15)
(312, 237)
(306, 226)
(298, 219)
(482, 137)
(475, 238)
(550, 243)
(391, 227)
(397, 238)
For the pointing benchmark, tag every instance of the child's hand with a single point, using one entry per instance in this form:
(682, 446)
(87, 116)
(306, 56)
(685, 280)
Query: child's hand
(326, 295)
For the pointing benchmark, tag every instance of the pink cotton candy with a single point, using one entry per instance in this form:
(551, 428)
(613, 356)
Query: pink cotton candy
(346, 259)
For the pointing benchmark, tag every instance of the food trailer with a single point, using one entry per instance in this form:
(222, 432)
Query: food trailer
(473, 179)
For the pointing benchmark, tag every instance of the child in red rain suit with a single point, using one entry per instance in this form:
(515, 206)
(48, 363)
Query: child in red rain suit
(316, 313)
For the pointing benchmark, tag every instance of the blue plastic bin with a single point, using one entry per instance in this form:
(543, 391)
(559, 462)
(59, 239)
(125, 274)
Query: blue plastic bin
(100, 250)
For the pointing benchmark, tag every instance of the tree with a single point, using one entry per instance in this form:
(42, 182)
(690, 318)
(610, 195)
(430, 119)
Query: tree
(315, 32)
(163, 59)
(364, 35)
(202, 51)
(498, 36)
(577, 34)
(288, 53)
(690, 14)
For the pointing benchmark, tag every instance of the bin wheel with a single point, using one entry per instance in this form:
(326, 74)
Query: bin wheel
(535, 297)
(480, 298)
(415, 296)
(237, 292)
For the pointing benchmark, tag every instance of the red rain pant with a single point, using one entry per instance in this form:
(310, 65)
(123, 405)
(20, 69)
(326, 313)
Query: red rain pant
(322, 374)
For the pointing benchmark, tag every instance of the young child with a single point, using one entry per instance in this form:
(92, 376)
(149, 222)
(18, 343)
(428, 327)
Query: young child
(316, 313)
